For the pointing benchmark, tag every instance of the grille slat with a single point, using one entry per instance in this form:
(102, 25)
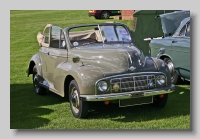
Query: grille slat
(134, 83)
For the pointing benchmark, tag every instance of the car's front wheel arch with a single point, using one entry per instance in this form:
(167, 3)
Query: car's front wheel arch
(175, 78)
(68, 79)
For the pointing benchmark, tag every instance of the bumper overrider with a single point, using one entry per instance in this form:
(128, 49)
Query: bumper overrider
(127, 95)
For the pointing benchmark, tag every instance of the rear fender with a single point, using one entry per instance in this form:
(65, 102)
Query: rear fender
(35, 60)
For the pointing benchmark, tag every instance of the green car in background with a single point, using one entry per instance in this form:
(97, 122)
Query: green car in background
(174, 48)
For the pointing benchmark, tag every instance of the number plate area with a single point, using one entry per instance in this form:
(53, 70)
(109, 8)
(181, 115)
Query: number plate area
(135, 101)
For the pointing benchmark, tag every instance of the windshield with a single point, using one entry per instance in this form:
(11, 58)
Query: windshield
(81, 36)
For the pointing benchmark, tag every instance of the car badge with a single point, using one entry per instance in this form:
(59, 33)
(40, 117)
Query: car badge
(132, 68)
(116, 87)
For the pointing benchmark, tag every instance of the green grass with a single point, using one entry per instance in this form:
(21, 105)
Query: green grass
(30, 111)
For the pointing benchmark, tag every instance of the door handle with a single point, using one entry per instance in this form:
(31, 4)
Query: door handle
(174, 41)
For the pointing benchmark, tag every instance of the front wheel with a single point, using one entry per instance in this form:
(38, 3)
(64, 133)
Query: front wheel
(105, 15)
(78, 107)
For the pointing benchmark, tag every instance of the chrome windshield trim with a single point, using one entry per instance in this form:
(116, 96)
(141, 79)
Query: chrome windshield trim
(100, 33)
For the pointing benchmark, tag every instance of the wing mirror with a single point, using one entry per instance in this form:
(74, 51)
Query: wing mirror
(161, 51)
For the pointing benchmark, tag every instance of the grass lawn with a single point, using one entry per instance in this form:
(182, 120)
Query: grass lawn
(30, 111)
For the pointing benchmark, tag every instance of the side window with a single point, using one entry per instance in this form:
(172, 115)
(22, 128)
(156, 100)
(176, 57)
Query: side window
(62, 42)
(188, 30)
(46, 35)
(55, 37)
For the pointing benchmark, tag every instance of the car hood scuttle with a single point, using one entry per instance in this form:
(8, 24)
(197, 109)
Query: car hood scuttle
(113, 58)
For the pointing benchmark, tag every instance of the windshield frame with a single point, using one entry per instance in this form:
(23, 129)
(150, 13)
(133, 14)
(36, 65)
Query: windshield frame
(67, 30)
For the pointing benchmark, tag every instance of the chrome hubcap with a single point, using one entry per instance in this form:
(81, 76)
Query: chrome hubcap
(75, 100)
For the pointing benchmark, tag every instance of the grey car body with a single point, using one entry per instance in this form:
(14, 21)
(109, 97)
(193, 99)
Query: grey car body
(174, 47)
(97, 62)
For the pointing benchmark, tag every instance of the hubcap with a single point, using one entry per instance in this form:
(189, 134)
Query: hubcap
(75, 100)
(105, 15)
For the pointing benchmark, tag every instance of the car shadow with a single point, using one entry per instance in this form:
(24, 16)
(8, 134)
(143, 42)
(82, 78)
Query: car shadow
(183, 82)
(178, 105)
(27, 108)
(26, 105)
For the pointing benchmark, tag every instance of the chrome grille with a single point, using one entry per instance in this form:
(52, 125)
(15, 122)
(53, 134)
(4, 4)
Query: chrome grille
(134, 83)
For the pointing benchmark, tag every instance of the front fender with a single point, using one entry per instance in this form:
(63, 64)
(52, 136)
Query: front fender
(162, 67)
(35, 60)
(85, 76)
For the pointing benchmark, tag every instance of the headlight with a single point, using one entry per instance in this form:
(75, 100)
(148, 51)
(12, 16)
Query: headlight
(102, 86)
(161, 79)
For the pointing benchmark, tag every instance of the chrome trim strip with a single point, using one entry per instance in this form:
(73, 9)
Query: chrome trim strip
(127, 95)
(130, 74)
(129, 57)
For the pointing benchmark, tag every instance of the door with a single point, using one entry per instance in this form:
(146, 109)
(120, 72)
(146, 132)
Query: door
(181, 52)
(57, 52)
(43, 52)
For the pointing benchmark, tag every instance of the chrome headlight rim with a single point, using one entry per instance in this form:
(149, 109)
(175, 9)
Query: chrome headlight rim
(161, 80)
(102, 86)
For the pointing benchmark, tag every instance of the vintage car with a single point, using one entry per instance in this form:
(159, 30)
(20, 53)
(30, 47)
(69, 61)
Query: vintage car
(97, 62)
(174, 47)
(103, 14)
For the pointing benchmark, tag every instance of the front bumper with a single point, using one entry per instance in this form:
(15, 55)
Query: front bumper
(128, 95)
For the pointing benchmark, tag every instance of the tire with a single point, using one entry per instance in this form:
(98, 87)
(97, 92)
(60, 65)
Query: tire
(105, 15)
(37, 88)
(174, 75)
(78, 107)
(160, 102)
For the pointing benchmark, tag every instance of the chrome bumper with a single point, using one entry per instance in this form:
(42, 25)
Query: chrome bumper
(128, 95)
